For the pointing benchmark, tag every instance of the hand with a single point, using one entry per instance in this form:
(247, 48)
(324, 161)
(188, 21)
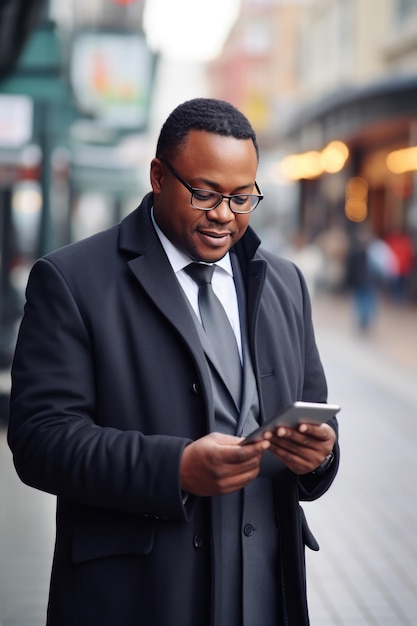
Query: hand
(304, 449)
(217, 465)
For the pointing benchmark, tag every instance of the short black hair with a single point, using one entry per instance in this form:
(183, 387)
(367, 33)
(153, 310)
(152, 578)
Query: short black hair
(208, 114)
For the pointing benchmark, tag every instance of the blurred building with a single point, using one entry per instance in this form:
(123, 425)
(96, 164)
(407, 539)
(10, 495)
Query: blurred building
(76, 83)
(258, 72)
(359, 88)
(331, 86)
(258, 68)
(110, 70)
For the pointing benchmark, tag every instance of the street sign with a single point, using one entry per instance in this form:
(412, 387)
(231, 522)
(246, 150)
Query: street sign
(112, 75)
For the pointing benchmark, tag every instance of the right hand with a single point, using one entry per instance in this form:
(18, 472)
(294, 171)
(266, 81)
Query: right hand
(216, 464)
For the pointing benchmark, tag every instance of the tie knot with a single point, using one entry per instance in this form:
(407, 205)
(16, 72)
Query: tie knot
(201, 273)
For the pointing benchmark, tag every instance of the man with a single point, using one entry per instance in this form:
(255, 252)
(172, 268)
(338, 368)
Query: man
(119, 407)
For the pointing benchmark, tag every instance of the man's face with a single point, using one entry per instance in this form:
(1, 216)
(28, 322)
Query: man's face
(205, 161)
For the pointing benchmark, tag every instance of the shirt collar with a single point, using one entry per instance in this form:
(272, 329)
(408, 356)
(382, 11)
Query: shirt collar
(178, 259)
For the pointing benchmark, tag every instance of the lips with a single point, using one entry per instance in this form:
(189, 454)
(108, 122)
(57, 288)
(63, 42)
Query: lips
(215, 239)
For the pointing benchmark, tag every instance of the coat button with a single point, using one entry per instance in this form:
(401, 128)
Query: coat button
(198, 541)
(195, 389)
(248, 530)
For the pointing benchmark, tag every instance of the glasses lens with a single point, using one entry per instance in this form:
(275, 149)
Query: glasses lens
(205, 199)
(243, 204)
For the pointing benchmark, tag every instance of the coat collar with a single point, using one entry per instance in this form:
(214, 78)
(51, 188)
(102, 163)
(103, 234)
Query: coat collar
(137, 234)
(149, 263)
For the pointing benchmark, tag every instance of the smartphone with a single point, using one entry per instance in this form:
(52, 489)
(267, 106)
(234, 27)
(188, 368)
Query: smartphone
(295, 414)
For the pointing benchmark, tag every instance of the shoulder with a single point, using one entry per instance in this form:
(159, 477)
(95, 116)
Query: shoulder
(284, 286)
(279, 268)
(251, 253)
(126, 239)
(82, 269)
(131, 237)
(85, 249)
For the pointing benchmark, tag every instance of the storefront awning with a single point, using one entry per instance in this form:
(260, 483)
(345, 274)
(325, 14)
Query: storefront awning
(355, 112)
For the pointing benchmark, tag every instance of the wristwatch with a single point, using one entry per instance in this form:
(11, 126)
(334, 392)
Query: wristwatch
(322, 469)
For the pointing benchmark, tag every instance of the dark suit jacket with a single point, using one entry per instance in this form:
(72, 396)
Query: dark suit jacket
(109, 384)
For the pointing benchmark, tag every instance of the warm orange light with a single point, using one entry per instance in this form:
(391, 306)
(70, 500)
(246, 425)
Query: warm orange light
(334, 156)
(296, 166)
(356, 203)
(357, 187)
(312, 164)
(401, 161)
(356, 210)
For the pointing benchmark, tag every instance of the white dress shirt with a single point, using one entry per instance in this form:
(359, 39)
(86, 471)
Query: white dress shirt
(222, 282)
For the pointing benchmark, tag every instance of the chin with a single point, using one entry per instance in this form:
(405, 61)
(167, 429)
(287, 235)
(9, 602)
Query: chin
(212, 257)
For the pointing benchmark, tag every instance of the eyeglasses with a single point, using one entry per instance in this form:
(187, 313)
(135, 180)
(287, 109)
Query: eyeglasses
(206, 200)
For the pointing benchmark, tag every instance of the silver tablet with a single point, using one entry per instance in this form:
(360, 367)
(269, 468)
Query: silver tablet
(295, 414)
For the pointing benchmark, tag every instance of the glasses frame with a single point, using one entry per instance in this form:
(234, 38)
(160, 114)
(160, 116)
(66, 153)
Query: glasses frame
(222, 196)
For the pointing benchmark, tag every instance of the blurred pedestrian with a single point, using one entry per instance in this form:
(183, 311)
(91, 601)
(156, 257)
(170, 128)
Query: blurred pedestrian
(122, 406)
(402, 247)
(367, 262)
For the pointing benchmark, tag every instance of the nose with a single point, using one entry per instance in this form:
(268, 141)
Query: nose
(222, 212)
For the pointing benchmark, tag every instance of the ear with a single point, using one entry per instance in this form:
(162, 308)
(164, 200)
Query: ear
(156, 175)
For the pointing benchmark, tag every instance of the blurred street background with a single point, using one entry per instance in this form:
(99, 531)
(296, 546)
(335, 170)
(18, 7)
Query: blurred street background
(330, 87)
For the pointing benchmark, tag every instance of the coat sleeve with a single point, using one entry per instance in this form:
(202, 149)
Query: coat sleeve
(312, 486)
(57, 443)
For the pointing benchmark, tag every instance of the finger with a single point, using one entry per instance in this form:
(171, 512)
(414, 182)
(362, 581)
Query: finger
(232, 440)
(300, 459)
(301, 446)
(307, 432)
(232, 460)
(241, 455)
(298, 464)
(322, 432)
(289, 437)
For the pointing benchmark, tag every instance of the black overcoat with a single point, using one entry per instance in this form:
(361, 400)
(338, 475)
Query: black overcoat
(109, 384)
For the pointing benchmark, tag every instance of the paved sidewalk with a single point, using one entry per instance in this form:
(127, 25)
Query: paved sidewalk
(366, 571)
(393, 334)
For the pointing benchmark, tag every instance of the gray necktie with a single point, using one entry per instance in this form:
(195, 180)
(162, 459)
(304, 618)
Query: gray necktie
(217, 327)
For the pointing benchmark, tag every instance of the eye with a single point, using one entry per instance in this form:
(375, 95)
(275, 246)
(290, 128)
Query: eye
(204, 195)
(240, 200)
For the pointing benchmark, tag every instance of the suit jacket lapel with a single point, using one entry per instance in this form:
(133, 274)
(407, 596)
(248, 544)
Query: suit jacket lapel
(249, 392)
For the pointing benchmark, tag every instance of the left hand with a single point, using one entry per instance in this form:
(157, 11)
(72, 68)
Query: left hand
(304, 449)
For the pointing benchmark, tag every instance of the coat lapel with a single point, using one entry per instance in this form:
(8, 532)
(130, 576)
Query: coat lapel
(154, 273)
